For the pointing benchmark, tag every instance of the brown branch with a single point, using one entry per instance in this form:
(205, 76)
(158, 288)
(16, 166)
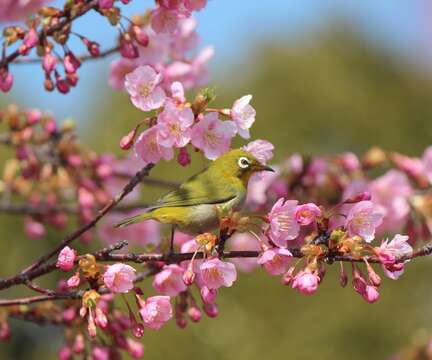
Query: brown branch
(52, 29)
(40, 298)
(36, 270)
(82, 58)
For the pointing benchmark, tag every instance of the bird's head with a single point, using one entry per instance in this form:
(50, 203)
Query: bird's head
(240, 164)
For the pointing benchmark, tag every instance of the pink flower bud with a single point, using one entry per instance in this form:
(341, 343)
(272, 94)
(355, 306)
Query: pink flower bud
(85, 198)
(140, 36)
(91, 326)
(33, 116)
(49, 62)
(374, 278)
(211, 310)
(138, 330)
(127, 49)
(66, 259)
(100, 319)
(194, 313)
(370, 294)
(72, 79)
(5, 333)
(306, 282)
(74, 280)
(100, 353)
(62, 86)
(65, 353)
(34, 229)
(343, 277)
(69, 314)
(181, 322)
(189, 275)
(134, 348)
(183, 157)
(50, 126)
(363, 196)
(79, 344)
(288, 276)
(128, 140)
(208, 295)
(105, 4)
(6, 80)
(31, 39)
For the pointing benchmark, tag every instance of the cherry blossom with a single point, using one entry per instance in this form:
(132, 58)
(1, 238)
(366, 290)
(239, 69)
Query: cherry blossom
(216, 273)
(66, 259)
(212, 136)
(142, 84)
(283, 225)
(119, 278)
(275, 260)
(156, 311)
(149, 149)
(243, 115)
(363, 219)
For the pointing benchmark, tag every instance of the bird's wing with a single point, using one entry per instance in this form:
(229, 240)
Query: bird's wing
(200, 189)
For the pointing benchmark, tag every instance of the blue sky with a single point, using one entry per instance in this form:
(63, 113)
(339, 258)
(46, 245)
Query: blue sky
(234, 27)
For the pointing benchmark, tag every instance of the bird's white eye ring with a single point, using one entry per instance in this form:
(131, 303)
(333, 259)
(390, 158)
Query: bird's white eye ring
(243, 162)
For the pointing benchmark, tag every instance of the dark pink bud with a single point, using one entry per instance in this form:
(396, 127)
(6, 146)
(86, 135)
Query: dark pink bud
(128, 140)
(194, 314)
(374, 278)
(370, 294)
(288, 276)
(6, 80)
(181, 322)
(72, 79)
(69, 314)
(48, 83)
(140, 36)
(69, 65)
(62, 86)
(65, 353)
(31, 39)
(22, 153)
(4, 331)
(105, 4)
(138, 330)
(364, 196)
(127, 49)
(343, 277)
(34, 229)
(189, 275)
(208, 295)
(211, 310)
(79, 344)
(183, 157)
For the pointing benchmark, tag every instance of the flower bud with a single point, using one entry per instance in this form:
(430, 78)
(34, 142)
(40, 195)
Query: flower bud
(183, 157)
(6, 80)
(189, 275)
(49, 61)
(211, 310)
(140, 36)
(363, 196)
(208, 295)
(194, 314)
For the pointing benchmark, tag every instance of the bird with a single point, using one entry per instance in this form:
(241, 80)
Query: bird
(195, 206)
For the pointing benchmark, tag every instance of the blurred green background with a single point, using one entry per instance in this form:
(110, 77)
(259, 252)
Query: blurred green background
(328, 91)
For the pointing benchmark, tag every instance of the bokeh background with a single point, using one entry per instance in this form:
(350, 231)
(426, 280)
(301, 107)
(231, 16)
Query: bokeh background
(326, 76)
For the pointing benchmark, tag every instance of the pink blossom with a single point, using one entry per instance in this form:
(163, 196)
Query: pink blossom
(275, 260)
(165, 20)
(149, 149)
(244, 241)
(156, 311)
(307, 213)
(34, 229)
(243, 115)
(261, 149)
(208, 295)
(362, 220)
(65, 353)
(410, 165)
(392, 191)
(174, 125)
(169, 281)
(212, 136)
(119, 278)
(49, 62)
(283, 225)
(66, 259)
(306, 282)
(216, 273)
(295, 163)
(142, 84)
(14, 10)
(118, 70)
(427, 163)
(388, 252)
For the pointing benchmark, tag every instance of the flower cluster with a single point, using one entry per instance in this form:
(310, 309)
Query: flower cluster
(54, 175)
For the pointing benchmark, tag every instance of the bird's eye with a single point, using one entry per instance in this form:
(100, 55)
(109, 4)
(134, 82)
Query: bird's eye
(243, 162)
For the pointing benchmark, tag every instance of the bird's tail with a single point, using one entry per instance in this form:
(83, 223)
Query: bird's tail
(133, 220)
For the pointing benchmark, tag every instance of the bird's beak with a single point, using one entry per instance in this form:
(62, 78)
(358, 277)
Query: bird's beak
(260, 167)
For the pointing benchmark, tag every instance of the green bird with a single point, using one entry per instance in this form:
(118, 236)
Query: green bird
(195, 207)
